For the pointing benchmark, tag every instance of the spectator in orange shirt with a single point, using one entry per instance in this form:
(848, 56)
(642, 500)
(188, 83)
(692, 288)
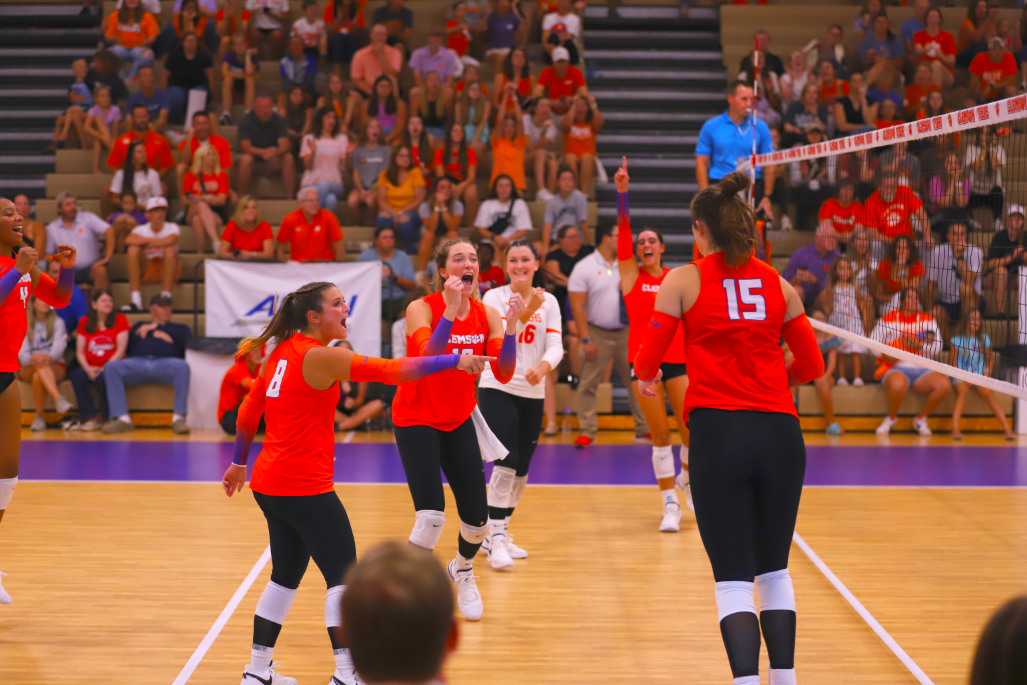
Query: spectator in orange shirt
(831, 87)
(560, 82)
(130, 33)
(580, 126)
(509, 143)
(993, 73)
(236, 385)
(917, 92)
(936, 48)
(377, 59)
(205, 193)
(313, 234)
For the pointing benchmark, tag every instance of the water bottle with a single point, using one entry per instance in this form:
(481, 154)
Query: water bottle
(566, 426)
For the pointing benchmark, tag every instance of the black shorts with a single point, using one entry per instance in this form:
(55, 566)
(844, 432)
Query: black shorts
(6, 378)
(268, 32)
(669, 370)
(516, 421)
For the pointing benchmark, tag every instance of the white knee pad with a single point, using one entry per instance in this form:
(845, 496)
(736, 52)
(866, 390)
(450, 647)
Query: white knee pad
(663, 461)
(333, 606)
(275, 602)
(734, 597)
(518, 490)
(428, 525)
(776, 591)
(501, 487)
(473, 534)
(7, 486)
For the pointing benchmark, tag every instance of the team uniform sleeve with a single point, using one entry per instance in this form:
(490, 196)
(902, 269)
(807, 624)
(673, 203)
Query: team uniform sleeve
(655, 344)
(398, 371)
(809, 363)
(250, 412)
(58, 294)
(624, 237)
(554, 333)
(8, 282)
(505, 351)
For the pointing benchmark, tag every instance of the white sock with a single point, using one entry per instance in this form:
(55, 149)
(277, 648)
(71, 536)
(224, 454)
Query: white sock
(126, 418)
(782, 676)
(498, 527)
(746, 680)
(669, 496)
(165, 293)
(260, 658)
(176, 417)
(343, 661)
(463, 564)
(137, 298)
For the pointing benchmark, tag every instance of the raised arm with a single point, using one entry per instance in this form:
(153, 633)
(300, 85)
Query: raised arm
(626, 261)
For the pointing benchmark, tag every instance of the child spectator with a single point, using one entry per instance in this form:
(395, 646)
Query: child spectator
(937, 49)
(517, 71)
(370, 159)
(135, 176)
(104, 69)
(155, 245)
(580, 126)
(102, 124)
(42, 359)
(401, 191)
(430, 107)
(101, 337)
(504, 216)
(985, 160)
(846, 309)
(238, 77)
(541, 132)
(323, 153)
(458, 33)
(81, 98)
(312, 30)
(398, 20)
(188, 68)
(246, 237)
(509, 143)
(125, 219)
(441, 215)
(419, 142)
(130, 33)
(560, 82)
(385, 106)
(561, 28)
(490, 275)
(236, 385)
(268, 23)
(829, 348)
(971, 351)
(900, 270)
(917, 92)
(205, 193)
(474, 111)
(298, 69)
(993, 73)
(459, 160)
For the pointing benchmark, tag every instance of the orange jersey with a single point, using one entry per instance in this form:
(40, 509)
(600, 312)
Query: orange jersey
(13, 318)
(298, 452)
(732, 339)
(640, 302)
(446, 399)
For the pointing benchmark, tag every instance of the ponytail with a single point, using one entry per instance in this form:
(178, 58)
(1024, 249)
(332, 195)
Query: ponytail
(729, 219)
(290, 318)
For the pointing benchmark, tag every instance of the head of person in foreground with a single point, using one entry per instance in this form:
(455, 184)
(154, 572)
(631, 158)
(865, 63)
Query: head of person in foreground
(397, 616)
(722, 221)
(1001, 657)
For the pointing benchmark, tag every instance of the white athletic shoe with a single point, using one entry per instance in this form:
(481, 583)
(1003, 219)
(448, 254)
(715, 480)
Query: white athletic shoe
(671, 522)
(497, 553)
(886, 425)
(842, 382)
(921, 427)
(468, 599)
(38, 424)
(63, 405)
(266, 677)
(340, 678)
(4, 597)
(858, 382)
(515, 551)
(686, 487)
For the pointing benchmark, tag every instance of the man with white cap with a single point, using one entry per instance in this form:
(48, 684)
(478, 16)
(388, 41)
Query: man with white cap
(153, 245)
(1005, 257)
(560, 82)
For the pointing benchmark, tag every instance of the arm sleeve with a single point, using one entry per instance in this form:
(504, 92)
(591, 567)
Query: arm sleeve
(658, 337)
(57, 294)
(429, 343)
(506, 351)
(554, 333)
(624, 237)
(397, 371)
(809, 363)
(250, 411)
(8, 282)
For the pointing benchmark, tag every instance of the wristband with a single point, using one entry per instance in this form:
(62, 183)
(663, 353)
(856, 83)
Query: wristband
(585, 341)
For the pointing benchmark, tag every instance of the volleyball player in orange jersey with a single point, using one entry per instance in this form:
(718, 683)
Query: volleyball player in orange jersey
(748, 457)
(640, 287)
(296, 391)
(438, 426)
(20, 278)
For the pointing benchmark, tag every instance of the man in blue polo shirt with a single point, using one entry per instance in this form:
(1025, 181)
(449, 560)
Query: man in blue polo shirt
(725, 145)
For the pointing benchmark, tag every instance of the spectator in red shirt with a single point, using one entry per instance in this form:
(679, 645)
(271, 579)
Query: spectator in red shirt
(101, 337)
(158, 152)
(458, 34)
(901, 269)
(560, 82)
(891, 207)
(459, 160)
(936, 48)
(489, 275)
(843, 212)
(205, 193)
(993, 73)
(312, 233)
(246, 237)
(917, 92)
(236, 385)
(831, 87)
(201, 133)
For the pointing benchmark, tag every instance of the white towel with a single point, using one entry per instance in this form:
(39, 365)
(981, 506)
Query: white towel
(491, 448)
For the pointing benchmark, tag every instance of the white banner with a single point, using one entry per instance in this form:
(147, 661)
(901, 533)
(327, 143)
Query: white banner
(241, 296)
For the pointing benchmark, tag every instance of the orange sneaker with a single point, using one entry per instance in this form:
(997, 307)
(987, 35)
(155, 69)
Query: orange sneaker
(582, 441)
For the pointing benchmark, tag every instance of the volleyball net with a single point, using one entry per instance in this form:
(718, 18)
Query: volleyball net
(907, 242)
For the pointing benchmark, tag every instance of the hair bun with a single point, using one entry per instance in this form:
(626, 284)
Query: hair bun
(734, 183)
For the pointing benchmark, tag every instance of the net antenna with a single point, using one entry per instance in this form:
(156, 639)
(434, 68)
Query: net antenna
(755, 95)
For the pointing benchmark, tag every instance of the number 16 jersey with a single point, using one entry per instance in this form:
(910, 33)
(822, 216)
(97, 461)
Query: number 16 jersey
(543, 331)
(732, 339)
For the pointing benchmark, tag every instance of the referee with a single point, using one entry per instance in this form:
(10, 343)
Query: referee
(725, 145)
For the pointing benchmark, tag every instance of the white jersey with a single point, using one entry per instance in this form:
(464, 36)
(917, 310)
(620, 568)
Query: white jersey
(538, 340)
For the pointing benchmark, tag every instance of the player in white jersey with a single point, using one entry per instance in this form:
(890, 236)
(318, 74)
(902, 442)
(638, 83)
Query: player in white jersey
(514, 410)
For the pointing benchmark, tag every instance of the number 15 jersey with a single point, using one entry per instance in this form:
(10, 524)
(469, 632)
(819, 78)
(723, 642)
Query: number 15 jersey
(541, 338)
(732, 339)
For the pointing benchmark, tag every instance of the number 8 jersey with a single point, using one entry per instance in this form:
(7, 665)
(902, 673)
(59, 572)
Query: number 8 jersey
(732, 339)
(538, 340)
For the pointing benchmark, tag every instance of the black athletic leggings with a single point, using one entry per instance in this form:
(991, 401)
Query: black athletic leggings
(746, 469)
(516, 421)
(307, 526)
(428, 452)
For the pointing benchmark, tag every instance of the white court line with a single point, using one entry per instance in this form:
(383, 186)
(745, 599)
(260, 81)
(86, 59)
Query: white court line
(226, 613)
(862, 611)
(349, 436)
